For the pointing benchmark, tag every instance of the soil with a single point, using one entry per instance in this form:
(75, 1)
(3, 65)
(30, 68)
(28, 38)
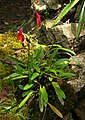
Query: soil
(13, 13)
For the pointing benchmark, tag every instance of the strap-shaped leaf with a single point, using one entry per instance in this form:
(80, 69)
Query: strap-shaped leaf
(81, 20)
(67, 50)
(53, 71)
(65, 75)
(15, 76)
(41, 102)
(25, 99)
(56, 110)
(44, 94)
(53, 54)
(60, 61)
(25, 93)
(40, 54)
(28, 86)
(65, 11)
(60, 94)
(16, 60)
(34, 75)
(36, 67)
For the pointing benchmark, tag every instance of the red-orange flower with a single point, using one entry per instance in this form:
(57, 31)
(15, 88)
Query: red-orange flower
(20, 35)
(38, 18)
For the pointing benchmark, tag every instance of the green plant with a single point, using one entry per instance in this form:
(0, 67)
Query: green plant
(81, 19)
(43, 67)
(81, 16)
(9, 110)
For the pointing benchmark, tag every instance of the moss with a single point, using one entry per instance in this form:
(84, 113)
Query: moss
(14, 114)
(5, 69)
(9, 117)
(8, 43)
(10, 111)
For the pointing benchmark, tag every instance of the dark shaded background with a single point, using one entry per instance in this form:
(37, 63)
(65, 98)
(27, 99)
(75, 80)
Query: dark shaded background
(13, 13)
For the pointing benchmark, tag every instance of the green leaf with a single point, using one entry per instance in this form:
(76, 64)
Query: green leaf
(20, 77)
(53, 71)
(25, 99)
(55, 84)
(40, 54)
(16, 61)
(60, 98)
(66, 75)
(61, 61)
(81, 20)
(11, 76)
(60, 94)
(26, 93)
(68, 50)
(60, 66)
(34, 75)
(36, 68)
(50, 78)
(28, 86)
(41, 102)
(44, 94)
(53, 54)
(15, 76)
(56, 110)
(13, 85)
(21, 87)
(65, 11)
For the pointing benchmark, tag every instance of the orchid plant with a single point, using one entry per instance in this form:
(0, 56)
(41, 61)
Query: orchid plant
(41, 69)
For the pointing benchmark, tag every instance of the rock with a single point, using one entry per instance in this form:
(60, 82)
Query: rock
(64, 35)
(78, 113)
(79, 81)
(42, 5)
(53, 4)
(79, 110)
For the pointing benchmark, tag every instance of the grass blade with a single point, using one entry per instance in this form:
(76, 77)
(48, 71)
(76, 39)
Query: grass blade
(81, 20)
(65, 11)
